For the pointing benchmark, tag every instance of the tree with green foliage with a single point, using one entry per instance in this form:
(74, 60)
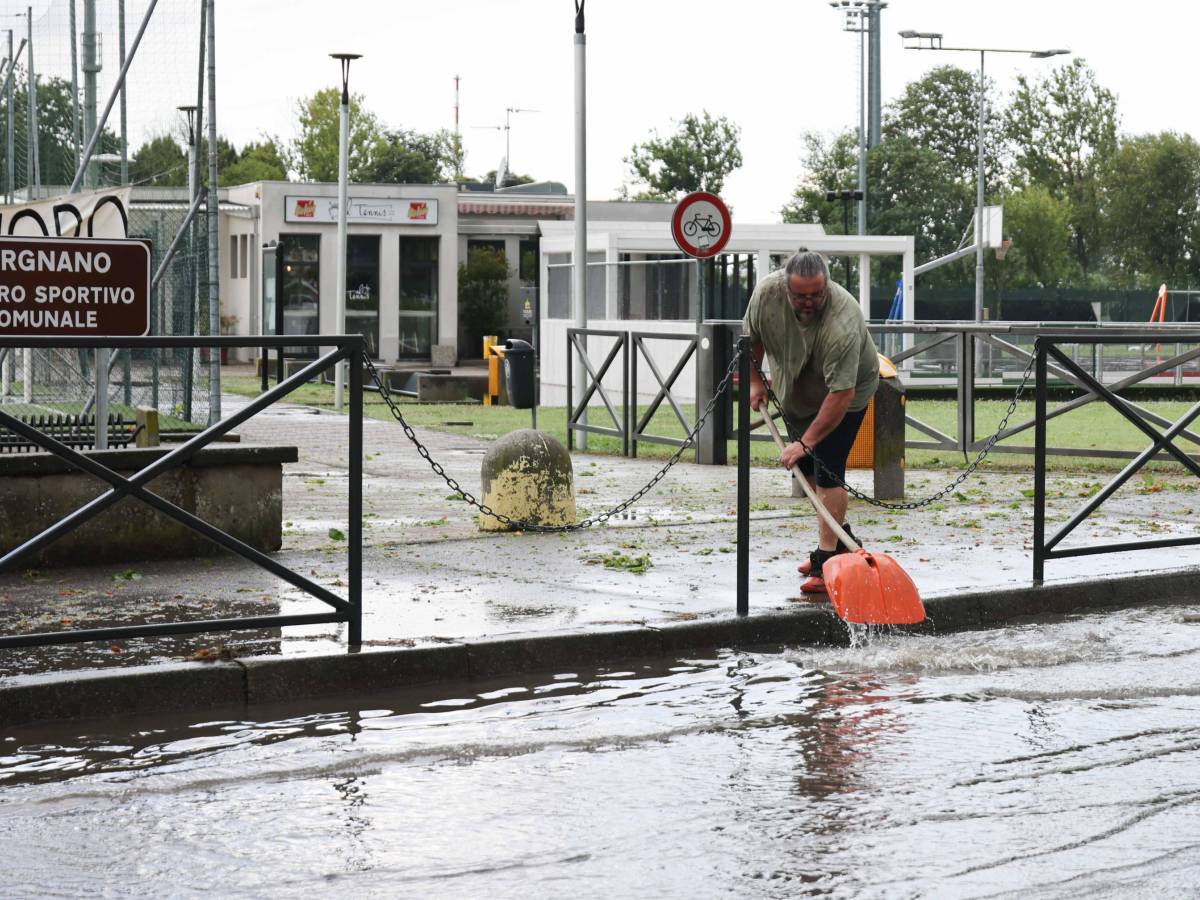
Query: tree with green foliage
(1038, 223)
(160, 162)
(510, 178)
(1151, 199)
(260, 161)
(482, 295)
(828, 166)
(313, 155)
(55, 131)
(410, 157)
(940, 112)
(1063, 130)
(698, 157)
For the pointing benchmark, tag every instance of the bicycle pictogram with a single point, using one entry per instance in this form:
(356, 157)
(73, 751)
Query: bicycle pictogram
(706, 224)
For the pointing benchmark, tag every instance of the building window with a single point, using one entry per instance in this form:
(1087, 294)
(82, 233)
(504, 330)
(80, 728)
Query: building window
(558, 286)
(233, 256)
(418, 296)
(656, 286)
(299, 282)
(244, 256)
(362, 290)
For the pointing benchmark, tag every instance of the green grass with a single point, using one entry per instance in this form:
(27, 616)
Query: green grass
(1094, 426)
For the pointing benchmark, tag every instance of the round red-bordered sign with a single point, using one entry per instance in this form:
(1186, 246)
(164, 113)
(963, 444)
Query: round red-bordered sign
(701, 225)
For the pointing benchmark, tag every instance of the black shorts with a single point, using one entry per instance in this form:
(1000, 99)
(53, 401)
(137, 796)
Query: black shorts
(833, 451)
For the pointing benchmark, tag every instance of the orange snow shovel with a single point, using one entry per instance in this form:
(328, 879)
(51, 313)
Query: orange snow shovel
(865, 588)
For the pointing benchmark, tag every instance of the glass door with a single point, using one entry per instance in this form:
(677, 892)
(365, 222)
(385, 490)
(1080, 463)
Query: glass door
(418, 296)
(299, 287)
(362, 290)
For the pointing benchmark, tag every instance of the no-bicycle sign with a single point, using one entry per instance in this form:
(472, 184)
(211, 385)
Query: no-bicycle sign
(75, 288)
(701, 225)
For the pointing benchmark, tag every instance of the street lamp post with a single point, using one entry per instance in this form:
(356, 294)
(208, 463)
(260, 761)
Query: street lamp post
(339, 379)
(932, 40)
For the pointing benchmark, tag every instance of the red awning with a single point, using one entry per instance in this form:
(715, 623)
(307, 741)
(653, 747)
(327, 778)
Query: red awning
(534, 210)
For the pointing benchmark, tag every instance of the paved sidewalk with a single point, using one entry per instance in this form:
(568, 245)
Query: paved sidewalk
(432, 577)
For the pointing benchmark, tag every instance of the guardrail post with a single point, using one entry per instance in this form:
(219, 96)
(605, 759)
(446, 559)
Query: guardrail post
(712, 359)
(354, 529)
(743, 489)
(888, 462)
(570, 396)
(630, 401)
(966, 391)
(1039, 464)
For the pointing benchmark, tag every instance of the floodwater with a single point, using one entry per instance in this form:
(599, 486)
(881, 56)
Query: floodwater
(1048, 759)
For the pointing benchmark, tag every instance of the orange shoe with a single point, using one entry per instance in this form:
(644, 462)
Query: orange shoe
(814, 585)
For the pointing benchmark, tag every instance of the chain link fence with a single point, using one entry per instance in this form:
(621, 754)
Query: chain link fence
(75, 58)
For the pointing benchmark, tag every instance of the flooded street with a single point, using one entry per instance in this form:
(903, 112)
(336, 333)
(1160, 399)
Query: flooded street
(1045, 759)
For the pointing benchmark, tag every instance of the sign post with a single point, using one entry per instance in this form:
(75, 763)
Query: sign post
(701, 228)
(75, 288)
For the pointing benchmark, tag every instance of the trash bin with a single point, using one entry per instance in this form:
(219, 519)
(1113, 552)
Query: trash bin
(518, 373)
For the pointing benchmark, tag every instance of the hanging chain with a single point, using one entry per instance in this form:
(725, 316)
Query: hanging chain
(524, 525)
(916, 504)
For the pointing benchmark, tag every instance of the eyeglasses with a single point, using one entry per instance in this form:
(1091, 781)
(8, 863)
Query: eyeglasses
(816, 297)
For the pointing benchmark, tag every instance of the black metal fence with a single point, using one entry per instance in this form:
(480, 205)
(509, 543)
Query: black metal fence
(1047, 347)
(348, 609)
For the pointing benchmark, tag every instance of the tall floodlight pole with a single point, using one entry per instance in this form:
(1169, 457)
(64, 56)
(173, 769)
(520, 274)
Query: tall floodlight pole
(932, 40)
(91, 68)
(30, 123)
(9, 154)
(124, 117)
(861, 18)
(579, 270)
(214, 262)
(76, 140)
(339, 380)
(874, 117)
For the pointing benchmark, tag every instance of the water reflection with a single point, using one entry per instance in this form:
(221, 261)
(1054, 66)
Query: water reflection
(1052, 760)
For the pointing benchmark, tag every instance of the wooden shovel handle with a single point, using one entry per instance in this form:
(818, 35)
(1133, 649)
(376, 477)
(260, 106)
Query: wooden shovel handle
(810, 493)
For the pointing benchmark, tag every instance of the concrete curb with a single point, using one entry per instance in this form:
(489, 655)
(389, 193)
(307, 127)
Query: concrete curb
(260, 680)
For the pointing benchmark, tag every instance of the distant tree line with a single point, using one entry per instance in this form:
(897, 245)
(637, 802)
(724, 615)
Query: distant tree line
(1084, 205)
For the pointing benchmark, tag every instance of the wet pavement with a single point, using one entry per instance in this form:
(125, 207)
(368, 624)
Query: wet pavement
(431, 576)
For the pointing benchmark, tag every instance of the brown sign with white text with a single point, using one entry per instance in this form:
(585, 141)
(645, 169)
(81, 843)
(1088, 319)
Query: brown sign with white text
(77, 288)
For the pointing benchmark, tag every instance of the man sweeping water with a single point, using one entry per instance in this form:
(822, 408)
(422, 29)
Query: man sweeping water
(824, 369)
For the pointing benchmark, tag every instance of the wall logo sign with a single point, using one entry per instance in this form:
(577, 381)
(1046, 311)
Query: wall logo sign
(76, 288)
(701, 225)
(387, 210)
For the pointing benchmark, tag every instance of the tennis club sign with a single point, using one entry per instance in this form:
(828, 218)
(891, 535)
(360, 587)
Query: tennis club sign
(76, 288)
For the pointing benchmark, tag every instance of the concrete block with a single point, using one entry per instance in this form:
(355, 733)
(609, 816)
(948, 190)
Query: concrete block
(237, 489)
(273, 680)
(443, 356)
(434, 388)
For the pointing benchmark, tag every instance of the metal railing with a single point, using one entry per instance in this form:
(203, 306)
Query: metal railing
(639, 424)
(1049, 346)
(990, 356)
(618, 412)
(349, 609)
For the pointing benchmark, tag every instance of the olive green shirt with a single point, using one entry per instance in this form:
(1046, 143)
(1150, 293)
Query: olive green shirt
(833, 352)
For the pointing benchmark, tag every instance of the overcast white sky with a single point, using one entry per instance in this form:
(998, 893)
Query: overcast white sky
(775, 67)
